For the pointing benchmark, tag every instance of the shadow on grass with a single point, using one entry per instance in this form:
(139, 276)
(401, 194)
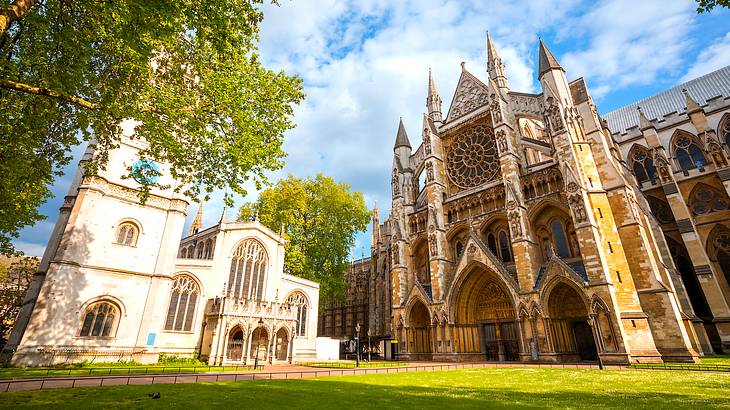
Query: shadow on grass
(432, 390)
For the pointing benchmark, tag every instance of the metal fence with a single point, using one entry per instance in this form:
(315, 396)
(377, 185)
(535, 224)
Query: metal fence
(56, 372)
(140, 379)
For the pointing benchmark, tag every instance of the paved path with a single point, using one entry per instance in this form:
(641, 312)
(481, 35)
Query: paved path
(272, 372)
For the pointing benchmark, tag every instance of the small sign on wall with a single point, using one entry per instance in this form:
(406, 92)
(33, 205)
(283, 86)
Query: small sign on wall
(151, 339)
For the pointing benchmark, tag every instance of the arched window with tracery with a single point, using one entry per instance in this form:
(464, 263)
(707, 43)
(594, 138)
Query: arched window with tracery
(719, 249)
(127, 234)
(724, 130)
(660, 210)
(100, 320)
(705, 199)
(248, 270)
(643, 165)
(687, 152)
(183, 300)
(298, 301)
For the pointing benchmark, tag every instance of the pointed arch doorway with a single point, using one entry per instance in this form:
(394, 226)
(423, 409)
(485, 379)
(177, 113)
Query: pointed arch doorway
(486, 325)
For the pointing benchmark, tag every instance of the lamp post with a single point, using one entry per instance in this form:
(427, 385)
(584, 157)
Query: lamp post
(258, 329)
(370, 348)
(357, 344)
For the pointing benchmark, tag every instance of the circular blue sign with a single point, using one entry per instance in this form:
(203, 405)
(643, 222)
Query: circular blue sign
(146, 172)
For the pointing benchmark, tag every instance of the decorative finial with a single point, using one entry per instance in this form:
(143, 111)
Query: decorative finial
(463, 65)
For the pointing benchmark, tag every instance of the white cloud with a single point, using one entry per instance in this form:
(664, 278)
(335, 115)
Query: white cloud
(714, 57)
(29, 248)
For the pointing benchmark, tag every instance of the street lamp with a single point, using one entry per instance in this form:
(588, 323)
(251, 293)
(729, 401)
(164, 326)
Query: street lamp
(370, 347)
(256, 362)
(357, 344)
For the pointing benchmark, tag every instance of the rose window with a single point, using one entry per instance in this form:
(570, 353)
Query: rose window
(472, 159)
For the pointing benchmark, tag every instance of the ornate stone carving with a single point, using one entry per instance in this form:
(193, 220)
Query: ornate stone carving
(496, 109)
(579, 210)
(396, 255)
(501, 141)
(471, 250)
(433, 244)
(427, 143)
(472, 158)
(429, 171)
(470, 95)
(515, 223)
(553, 116)
(395, 183)
(662, 166)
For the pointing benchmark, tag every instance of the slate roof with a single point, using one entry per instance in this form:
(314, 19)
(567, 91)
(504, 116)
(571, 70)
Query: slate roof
(709, 86)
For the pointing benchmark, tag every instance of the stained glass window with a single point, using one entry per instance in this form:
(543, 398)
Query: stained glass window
(472, 158)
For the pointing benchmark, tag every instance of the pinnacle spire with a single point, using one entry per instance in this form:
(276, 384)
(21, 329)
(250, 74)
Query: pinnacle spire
(495, 67)
(401, 139)
(547, 60)
(223, 216)
(692, 105)
(433, 101)
(644, 122)
(197, 222)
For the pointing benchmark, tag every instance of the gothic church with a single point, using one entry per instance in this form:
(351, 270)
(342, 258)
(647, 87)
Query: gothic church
(527, 227)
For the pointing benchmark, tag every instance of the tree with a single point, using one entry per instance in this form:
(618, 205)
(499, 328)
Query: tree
(15, 276)
(320, 218)
(186, 71)
(705, 6)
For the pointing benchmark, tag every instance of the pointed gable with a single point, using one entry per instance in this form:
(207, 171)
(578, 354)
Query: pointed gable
(470, 94)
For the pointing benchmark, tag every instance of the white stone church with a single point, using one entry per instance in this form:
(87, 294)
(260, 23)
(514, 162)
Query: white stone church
(116, 282)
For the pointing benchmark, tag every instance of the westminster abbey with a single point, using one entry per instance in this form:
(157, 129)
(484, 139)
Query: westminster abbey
(527, 227)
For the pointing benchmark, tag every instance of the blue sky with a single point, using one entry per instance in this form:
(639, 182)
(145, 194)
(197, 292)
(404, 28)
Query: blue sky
(365, 64)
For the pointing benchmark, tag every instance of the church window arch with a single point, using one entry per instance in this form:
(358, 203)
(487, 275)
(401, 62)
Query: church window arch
(248, 270)
(100, 319)
(127, 234)
(492, 243)
(505, 249)
(724, 130)
(184, 253)
(660, 210)
(298, 301)
(642, 164)
(687, 151)
(705, 199)
(458, 249)
(183, 301)
(560, 239)
(208, 252)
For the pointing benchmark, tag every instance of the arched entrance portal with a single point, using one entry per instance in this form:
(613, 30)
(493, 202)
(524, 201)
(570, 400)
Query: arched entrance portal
(260, 342)
(419, 329)
(570, 332)
(235, 345)
(485, 319)
(282, 344)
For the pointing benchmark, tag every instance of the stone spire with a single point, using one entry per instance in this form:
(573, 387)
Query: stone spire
(495, 67)
(223, 216)
(644, 122)
(433, 101)
(547, 61)
(198, 222)
(401, 139)
(692, 105)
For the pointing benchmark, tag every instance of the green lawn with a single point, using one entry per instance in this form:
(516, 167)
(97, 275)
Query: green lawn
(472, 388)
(350, 364)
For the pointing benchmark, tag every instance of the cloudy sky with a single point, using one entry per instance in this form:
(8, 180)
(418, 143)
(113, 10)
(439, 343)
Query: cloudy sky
(365, 64)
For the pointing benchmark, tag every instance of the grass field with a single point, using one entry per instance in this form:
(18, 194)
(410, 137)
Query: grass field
(119, 370)
(472, 388)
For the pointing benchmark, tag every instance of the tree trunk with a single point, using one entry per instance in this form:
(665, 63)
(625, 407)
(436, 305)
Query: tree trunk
(14, 12)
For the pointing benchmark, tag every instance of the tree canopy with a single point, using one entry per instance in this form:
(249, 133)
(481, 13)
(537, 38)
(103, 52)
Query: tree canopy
(15, 276)
(187, 71)
(705, 6)
(320, 218)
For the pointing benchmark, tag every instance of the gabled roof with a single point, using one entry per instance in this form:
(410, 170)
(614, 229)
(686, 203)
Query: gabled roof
(470, 94)
(701, 89)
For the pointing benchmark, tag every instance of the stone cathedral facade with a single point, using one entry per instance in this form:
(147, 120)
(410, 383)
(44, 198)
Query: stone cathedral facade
(526, 227)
